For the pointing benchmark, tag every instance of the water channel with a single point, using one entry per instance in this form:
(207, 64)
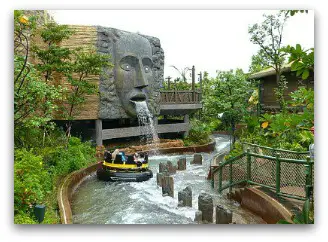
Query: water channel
(98, 202)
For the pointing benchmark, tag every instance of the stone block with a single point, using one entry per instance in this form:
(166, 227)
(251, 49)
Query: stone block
(205, 204)
(198, 216)
(182, 164)
(223, 215)
(168, 186)
(159, 178)
(171, 168)
(198, 159)
(185, 197)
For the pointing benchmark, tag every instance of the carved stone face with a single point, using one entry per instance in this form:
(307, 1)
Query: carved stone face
(133, 70)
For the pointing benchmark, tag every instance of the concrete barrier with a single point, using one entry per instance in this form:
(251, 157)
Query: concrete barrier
(67, 188)
(261, 204)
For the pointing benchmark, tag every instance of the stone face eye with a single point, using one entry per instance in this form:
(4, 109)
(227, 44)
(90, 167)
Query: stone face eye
(147, 69)
(126, 67)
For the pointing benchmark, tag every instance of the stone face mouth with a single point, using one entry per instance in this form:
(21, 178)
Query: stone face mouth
(138, 98)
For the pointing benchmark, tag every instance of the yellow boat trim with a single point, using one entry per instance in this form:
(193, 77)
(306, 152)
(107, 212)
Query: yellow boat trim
(124, 166)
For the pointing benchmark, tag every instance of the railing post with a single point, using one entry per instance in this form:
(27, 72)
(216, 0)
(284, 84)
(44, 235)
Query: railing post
(249, 175)
(212, 176)
(308, 178)
(278, 173)
(230, 177)
(220, 180)
(193, 84)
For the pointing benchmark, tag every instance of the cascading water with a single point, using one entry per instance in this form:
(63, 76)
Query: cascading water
(146, 124)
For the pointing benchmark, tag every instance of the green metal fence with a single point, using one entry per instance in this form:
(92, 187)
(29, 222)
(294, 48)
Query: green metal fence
(287, 173)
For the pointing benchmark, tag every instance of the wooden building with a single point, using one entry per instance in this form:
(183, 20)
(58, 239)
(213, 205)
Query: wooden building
(267, 78)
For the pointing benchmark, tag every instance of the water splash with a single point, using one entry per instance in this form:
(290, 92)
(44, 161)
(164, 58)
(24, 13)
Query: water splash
(146, 124)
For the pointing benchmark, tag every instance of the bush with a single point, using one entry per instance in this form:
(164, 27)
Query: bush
(24, 218)
(236, 150)
(32, 181)
(35, 173)
(76, 156)
(198, 134)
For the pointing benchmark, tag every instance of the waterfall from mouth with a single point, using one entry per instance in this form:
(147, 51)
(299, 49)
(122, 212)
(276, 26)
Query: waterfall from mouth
(146, 124)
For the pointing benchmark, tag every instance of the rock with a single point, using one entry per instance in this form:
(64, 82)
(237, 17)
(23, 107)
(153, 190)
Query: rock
(180, 204)
(168, 186)
(223, 216)
(198, 159)
(171, 168)
(159, 178)
(163, 167)
(205, 204)
(185, 197)
(198, 216)
(182, 164)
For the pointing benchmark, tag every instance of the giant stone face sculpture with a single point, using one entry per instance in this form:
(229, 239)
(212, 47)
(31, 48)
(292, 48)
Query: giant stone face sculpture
(136, 76)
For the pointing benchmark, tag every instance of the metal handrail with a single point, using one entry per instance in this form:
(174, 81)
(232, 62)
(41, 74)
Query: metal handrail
(308, 164)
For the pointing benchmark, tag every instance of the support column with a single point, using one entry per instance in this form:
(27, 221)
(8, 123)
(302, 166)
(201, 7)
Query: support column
(193, 84)
(155, 121)
(186, 120)
(99, 139)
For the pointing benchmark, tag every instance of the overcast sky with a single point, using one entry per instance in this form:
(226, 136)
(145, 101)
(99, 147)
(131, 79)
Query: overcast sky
(210, 40)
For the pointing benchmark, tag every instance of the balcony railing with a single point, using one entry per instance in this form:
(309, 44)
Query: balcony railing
(180, 96)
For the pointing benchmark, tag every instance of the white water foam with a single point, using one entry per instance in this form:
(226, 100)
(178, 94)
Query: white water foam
(146, 124)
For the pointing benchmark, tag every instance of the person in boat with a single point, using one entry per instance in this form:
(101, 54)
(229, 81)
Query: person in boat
(108, 156)
(117, 151)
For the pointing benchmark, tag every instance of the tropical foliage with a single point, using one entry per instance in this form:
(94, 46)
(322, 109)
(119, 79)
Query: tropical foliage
(43, 153)
(268, 37)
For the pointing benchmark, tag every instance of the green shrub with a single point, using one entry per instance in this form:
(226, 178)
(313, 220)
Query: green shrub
(236, 150)
(215, 125)
(35, 173)
(74, 157)
(198, 134)
(24, 218)
(32, 181)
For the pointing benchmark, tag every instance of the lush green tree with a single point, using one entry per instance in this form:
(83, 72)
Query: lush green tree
(268, 36)
(84, 64)
(259, 62)
(31, 93)
(303, 60)
(293, 12)
(228, 93)
(74, 66)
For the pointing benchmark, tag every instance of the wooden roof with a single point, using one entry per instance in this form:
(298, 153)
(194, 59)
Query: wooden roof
(269, 72)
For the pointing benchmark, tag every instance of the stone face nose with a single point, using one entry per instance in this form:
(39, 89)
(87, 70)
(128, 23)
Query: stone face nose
(140, 80)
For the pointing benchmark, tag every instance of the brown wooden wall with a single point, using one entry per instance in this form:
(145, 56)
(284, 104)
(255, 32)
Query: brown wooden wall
(268, 84)
(85, 37)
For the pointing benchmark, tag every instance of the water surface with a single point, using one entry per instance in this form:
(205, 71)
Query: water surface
(98, 202)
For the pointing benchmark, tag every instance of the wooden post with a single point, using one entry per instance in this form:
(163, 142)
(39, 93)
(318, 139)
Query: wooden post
(200, 85)
(193, 83)
(175, 91)
(200, 94)
(186, 120)
(168, 82)
(99, 132)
